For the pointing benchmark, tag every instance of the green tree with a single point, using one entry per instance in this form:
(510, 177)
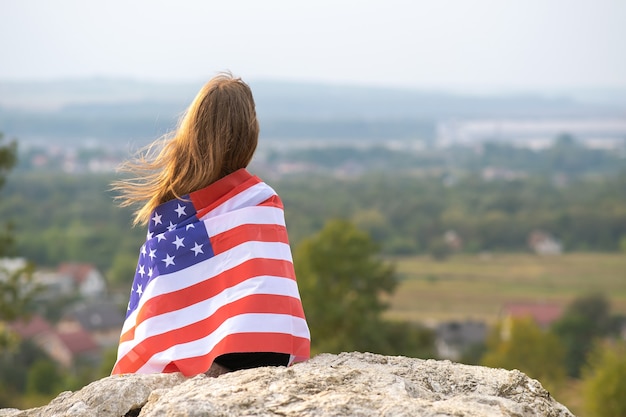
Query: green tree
(343, 283)
(14, 365)
(8, 158)
(584, 321)
(604, 381)
(122, 269)
(43, 377)
(341, 280)
(16, 288)
(521, 344)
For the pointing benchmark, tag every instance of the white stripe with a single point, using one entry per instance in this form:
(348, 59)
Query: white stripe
(207, 269)
(251, 196)
(247, 215)
(179, 318)
(245, 323)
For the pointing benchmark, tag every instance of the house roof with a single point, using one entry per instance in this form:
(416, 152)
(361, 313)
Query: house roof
(78, 341)
(78, 271)
(543, 313)
(34, 326)
(462, 333)
(97, 316)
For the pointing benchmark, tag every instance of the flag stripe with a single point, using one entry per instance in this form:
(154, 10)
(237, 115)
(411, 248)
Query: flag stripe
(247, 233)
(253, 341)
(227, 286)
(167, 283)
(171, 283)
(261, 325)
(217, 193)
(205, 326)
(257, 215)
(251, 195)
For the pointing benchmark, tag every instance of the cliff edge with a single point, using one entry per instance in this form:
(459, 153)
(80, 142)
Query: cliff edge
(348, 384)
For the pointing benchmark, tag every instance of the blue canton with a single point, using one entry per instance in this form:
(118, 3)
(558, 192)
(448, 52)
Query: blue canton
(175, 241)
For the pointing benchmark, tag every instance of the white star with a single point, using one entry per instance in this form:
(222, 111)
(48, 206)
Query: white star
(157, 218)
(143, 250)
(180, 210)
(190, 226)
(169, 260)
(149, 235)
(152, 253)
(178, 242)
(197, 248)
(160, 237)
(128, 308)
(139, 290)
(171, 227)
(141, 271)
(150, 272)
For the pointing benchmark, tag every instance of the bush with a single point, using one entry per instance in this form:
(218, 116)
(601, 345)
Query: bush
(604, 381)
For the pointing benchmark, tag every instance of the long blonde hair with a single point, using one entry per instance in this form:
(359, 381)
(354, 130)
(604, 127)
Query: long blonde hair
(216, 136)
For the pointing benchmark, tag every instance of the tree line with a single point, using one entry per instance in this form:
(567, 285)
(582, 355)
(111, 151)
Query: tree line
(342, 274)
(58, 217)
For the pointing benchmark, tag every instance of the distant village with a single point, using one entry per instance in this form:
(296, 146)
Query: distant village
(92, 323)
(535, 134)
(86, 327)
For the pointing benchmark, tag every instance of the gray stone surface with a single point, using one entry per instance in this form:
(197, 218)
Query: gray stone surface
(349, 384)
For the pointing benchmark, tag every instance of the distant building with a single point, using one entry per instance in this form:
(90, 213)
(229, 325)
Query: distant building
(88, 281)
(65, 348)
(453, 240)
(54, 285)
(454, 338)
(599, 133)
(543, 243)
(11, 265)
(70, 279)
(103, 320)
(544, 314)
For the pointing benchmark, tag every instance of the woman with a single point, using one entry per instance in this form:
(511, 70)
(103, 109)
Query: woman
(214, 289)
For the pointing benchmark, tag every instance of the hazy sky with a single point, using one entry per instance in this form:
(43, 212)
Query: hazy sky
(450, 44)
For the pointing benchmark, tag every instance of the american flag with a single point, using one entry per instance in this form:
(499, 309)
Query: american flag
(214, 276)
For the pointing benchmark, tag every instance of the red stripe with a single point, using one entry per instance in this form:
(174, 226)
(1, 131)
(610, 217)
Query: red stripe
(248, 233)
(210, 287)
(273, 201)
(214, 195)
(256, 303)
(242, 342)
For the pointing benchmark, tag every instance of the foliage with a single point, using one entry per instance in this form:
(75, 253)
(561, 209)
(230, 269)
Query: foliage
(341, 280)
(75, 210)
(404, 214)
(14, 365)
(109, 357)
(521, 344)
(16, 292)
(8, 158)
(16, 288)
(41, 377)
(585, 320)
(604, 380)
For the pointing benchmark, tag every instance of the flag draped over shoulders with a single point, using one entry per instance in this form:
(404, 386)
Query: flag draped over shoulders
(214, 276)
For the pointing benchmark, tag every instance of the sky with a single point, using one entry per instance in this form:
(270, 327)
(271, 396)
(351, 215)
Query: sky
(472, 45)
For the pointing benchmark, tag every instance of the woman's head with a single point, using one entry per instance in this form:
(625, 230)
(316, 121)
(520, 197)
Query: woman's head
(219, 132)
(216, 136)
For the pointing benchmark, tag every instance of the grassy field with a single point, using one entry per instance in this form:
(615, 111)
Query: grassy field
(478, 286)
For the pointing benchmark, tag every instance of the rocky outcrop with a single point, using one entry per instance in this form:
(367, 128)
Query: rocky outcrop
(349, 384)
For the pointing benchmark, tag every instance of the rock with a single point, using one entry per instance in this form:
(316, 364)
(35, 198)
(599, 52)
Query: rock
(349, 384)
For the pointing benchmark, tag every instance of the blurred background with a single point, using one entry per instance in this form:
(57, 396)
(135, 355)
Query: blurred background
(463, 164)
